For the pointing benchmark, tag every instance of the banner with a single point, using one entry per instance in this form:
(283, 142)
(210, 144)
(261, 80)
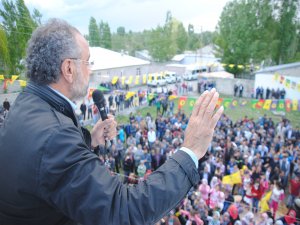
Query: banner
(226, 103)
(276, 77)
(253, 103)
(287, 83)
(267, 104)
(232, 179)
(191, 103)
(288, 105)
(234, 104)
(260, 103)
(295, 105)
(182, 101)
(1, 77)
(219, 103)
(274, 105)
(280, 106)
(150, 77)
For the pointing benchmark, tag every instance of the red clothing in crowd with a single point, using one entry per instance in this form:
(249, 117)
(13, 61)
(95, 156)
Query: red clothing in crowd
(256, 193)
(295, 187)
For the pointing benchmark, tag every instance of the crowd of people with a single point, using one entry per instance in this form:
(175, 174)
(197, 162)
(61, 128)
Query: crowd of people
(270, 93)
(268, 154)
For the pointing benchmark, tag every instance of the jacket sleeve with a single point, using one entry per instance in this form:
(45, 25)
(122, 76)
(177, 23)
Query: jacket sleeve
(72, 180)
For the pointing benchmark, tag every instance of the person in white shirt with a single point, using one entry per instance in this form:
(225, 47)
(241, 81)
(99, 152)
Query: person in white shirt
(151, 137)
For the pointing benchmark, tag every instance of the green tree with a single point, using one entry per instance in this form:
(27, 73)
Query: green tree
(193, 39)
(255, 31)
(105, 35)
(4, 52)
(181, 38)
(288, 31)
(18, 25)
(94, 36)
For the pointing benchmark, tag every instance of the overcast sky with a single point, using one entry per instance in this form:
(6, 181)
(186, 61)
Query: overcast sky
(135, 15)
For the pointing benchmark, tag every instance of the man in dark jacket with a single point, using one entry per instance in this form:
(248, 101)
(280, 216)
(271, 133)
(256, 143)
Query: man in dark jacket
(56, 178)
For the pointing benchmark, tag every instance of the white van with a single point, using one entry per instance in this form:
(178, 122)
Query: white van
(192, 72)
(172, 77)
(157, 80)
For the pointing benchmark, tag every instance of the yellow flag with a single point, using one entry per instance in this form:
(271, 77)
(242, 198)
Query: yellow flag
(264, 206)
(231, 65)
(231, 179)
(150, 77)
(114, 80)
(267, 104)
(1, 77)
(129, 94)
(171, 97)
(137, 79)
(23, 83)
(144, 79)
(123, 80)
(240, 66)
(13, 78)
(295, 105)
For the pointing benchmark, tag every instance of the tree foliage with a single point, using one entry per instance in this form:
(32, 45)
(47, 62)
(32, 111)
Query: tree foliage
(18, 25)
(94, 35)
(255, 31)
(105, 35)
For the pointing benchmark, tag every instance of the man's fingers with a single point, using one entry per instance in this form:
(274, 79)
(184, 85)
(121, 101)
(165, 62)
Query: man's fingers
(206, 102)
(211, 107)
(216, 117)
(199, 103)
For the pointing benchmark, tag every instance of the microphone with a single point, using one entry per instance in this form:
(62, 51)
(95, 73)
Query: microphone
(99, 101)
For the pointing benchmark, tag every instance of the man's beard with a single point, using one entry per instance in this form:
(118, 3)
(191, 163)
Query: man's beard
(80, 87)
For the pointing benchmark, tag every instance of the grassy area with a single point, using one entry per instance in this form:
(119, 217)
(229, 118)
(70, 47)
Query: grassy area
(234, 113)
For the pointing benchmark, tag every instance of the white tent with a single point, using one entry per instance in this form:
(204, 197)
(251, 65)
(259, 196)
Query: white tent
(219, 74)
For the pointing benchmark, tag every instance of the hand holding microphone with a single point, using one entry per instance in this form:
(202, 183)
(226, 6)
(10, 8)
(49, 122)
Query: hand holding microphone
(104, 130)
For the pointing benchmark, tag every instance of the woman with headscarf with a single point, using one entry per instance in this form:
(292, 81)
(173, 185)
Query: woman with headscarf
(233, 214)
(217, 198)
(204, 189)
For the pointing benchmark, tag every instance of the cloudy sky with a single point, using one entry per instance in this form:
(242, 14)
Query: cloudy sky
(135, 15)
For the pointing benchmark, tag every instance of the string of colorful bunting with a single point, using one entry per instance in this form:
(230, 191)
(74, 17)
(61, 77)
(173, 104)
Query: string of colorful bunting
(266, 104)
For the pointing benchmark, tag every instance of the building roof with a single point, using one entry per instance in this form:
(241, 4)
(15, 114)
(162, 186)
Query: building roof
(107, 59)
(272, 69)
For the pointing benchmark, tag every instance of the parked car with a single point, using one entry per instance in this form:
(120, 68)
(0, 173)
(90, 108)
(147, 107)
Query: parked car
(172, 77)
(157, 80)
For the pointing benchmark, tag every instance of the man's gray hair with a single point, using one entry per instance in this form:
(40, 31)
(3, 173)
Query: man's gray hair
(48, 46)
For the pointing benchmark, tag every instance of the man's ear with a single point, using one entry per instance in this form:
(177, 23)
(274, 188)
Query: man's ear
(68, 70)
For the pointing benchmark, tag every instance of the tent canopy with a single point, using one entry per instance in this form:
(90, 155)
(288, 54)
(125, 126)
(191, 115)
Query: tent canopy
(219, 74)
